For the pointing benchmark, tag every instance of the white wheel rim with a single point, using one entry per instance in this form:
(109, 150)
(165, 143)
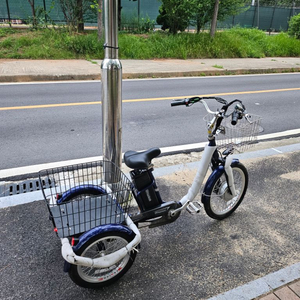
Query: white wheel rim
(219, 201)
(101, 248)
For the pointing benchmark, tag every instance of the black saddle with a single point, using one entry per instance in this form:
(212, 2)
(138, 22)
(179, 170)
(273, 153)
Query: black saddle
(140, 160)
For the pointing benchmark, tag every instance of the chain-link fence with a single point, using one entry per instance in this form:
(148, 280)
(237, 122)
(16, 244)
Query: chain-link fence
(265, 18)
(19, 11)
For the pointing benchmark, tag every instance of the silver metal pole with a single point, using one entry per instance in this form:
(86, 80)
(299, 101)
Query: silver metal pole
(111, 87)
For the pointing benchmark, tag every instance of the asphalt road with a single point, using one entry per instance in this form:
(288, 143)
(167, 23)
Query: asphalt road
(192, 259)
(32, 133)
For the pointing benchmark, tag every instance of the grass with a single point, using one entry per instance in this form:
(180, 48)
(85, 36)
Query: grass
(60, 44)
(218, 66)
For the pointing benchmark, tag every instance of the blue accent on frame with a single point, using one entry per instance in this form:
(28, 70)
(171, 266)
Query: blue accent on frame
(212, 143)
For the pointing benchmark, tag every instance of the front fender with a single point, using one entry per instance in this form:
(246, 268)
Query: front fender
(216, 173)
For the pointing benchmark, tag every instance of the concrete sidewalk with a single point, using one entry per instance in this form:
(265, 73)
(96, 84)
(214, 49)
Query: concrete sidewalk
(51, 70)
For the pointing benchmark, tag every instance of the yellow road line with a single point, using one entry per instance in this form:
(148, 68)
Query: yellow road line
(146, 99)
(49, 105)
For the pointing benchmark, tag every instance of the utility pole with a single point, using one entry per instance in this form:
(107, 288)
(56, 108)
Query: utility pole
(111, 87)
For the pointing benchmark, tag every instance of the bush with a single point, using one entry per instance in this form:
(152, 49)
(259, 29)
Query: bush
(294, 26)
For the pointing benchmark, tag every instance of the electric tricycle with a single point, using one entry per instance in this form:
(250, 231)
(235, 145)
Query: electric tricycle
(97, 210)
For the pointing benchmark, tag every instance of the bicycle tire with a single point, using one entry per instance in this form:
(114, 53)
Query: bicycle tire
(98, 246)
(216, 190)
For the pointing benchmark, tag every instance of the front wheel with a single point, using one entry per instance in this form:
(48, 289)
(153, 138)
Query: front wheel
(102, 244)
(217, 199)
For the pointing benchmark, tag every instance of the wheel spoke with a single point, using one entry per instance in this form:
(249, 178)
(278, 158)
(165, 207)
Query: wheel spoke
(101, 248)
(221, 200)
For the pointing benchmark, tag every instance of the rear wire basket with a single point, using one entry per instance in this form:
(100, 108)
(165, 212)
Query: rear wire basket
(83, 196)
(239, 137)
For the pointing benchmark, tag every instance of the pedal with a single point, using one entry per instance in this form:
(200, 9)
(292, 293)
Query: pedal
(194, 207)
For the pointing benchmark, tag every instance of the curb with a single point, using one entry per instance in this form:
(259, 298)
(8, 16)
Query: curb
(39, 78)
(97, 76)
(209, 73)
(263, 285)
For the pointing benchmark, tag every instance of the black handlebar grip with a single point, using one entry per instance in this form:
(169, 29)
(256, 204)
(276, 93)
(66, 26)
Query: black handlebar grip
(179, 102)
(234, 118)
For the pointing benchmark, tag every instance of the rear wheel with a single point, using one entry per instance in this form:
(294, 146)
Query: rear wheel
(99, 246)
(217, 200)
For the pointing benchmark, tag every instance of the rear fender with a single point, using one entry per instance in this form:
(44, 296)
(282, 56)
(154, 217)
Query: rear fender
(93, 232)
(101, 229)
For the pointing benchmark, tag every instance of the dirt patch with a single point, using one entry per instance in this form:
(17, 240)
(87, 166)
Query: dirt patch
(183, 177)
(292, 176)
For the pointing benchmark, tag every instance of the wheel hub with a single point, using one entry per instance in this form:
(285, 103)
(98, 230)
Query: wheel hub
(224, 192)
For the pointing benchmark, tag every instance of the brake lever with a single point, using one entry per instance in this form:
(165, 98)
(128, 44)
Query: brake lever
(221, 100)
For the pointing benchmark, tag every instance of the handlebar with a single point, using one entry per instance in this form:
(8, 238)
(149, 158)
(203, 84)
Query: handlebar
(238, 113)
(184, 101)
(193, 100)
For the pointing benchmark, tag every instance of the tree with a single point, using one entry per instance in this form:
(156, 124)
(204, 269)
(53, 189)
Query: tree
(214, 19)
(73, 11)
(39, 14)
(80, 22)
(205, 10)
(100, 19)
(174, 15)
(201, 14)
(98, 6)
(294, 26)
(34, 20)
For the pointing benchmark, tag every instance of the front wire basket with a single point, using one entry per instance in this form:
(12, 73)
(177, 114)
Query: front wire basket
(83, 196)
(239, 137)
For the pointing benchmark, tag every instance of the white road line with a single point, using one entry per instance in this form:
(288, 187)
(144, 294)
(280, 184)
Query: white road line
(276, 150)
(189, 147)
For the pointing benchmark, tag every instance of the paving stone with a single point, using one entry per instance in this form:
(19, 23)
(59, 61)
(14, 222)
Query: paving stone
(286, 294)
(295, 287)
(269, 297)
